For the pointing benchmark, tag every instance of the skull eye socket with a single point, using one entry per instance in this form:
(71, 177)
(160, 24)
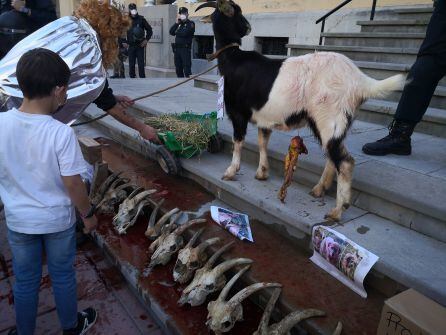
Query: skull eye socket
(210, 286)
(226, 325)
(194, 264)
(173, 247)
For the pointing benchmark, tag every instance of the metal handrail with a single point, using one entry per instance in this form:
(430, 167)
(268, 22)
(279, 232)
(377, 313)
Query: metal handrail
(323, 18)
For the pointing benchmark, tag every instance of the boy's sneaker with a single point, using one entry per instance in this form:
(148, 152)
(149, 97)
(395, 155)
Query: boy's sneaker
(13, 331)
(85, 321)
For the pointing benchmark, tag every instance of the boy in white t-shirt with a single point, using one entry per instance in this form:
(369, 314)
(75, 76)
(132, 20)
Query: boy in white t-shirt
(40, 183)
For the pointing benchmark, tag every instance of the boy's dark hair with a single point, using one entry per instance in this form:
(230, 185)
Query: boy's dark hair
(39, 71)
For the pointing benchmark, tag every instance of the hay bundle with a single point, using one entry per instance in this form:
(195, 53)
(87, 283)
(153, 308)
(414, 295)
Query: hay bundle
(186, 132)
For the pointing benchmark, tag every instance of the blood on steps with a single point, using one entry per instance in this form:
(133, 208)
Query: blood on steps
(275, 260)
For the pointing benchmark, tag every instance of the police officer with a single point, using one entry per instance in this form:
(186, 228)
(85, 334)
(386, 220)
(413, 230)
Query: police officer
(19, 18)
(137, 37)
(183, 30)
(423, 78)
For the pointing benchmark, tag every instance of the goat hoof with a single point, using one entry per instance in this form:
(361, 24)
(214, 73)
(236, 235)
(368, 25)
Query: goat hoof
(334, 215)
(317, 192)
(262, 176)
(228, 178)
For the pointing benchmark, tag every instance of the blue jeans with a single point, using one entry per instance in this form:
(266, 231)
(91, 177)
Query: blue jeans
(60, 250)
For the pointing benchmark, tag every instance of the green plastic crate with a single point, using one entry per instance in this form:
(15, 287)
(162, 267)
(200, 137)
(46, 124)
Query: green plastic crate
(209, 120)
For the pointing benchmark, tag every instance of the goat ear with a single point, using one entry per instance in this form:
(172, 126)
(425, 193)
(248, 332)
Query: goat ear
(206, 19)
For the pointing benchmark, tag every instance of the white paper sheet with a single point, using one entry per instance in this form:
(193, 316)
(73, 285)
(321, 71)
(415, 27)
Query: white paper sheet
(342, 258)
(221, 98)
(236, 223)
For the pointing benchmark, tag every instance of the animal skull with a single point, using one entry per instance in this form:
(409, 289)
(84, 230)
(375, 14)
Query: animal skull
(130, 209)
(97, 197)
(283, 327)
(190, 258)
(114, 196)
(169, 243)
(154, 230)
(208, 280)
(222, 314)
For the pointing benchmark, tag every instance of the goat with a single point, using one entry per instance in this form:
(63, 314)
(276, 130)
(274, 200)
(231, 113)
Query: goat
(322, 90)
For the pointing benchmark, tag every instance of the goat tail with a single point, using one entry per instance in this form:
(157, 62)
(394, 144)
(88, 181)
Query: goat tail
(373, 88)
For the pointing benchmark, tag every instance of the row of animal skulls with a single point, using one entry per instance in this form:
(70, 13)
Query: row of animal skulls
(192, 262)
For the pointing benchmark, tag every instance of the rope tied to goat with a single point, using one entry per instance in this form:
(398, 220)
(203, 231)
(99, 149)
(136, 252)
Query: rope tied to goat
(150, 94)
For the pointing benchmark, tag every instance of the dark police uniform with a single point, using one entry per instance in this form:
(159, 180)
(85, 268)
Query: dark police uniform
(427, 70)
(139, 31)
(14, 25)
(183, 32)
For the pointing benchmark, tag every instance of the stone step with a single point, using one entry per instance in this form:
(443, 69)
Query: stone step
(393, 26)
(402, 251)
(394, 198)
(415, 13)
(380, 70)
(301, 280)
(380, 111)
(371, 54)
(392, 40)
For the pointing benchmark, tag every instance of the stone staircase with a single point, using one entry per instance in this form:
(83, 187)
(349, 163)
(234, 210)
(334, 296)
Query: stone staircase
(398, 201)
(383, 48)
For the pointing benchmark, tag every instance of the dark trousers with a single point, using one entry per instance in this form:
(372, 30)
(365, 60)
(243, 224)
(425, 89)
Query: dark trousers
(118, 67)
(136, 53)
(426, 72)
(183, 62)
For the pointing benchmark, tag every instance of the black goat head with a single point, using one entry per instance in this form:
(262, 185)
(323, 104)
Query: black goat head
(228, 22)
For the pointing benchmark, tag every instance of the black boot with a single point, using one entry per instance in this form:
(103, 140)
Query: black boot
(397, 142)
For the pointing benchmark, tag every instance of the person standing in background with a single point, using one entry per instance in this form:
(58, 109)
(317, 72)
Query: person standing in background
(184, 31)
(138, 35)
(20, 18)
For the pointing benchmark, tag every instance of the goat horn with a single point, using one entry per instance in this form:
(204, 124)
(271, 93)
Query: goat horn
(181, 229)
(292, 319)
(338, 329)
(203, 245)
(107, 182)
(226, 265)
(264, 322)
(135, 192)
(247, 291)
(174, 218)
(140, 196)
(228, 286)
(217, 254)
(194, 238)
(211, 4)
(166, 216)
(155, 212)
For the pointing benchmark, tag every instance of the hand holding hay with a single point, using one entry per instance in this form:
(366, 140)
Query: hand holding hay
(295, 148)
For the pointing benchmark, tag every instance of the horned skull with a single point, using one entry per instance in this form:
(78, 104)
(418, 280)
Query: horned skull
(190, 258)
(169, 243)
(208, 280)
(154, 229)
(222, 314)
(114, 196)
(283, 327)
(130, 209)
(97, 196)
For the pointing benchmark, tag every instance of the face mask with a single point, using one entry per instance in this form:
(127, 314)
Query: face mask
(183, 17)
(133, 12)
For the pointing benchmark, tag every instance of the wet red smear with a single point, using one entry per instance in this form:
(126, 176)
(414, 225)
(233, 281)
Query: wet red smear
(275, 260)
